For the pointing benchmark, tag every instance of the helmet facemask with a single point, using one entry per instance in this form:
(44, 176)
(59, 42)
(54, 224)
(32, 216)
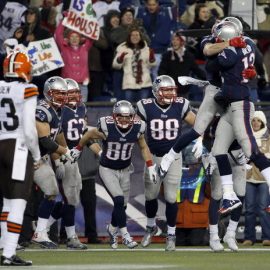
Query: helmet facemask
(74, 97)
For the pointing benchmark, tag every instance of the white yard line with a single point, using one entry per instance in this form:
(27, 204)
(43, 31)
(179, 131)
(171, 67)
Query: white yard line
(141, 249)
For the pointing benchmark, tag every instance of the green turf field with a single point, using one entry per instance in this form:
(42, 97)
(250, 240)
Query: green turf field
(100, 257)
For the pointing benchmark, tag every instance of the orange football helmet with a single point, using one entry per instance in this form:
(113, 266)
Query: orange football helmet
(17, 65)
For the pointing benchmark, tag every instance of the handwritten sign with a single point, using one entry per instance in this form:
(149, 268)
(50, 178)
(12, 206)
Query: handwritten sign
(81, 18)
(44, 55)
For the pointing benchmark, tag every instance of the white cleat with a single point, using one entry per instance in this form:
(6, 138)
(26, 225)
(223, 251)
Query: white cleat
(230, 240)
(113, 238)
(170, 242)
(147, 238)
(128, 241)
(42, 239)
(186, 80)
(215, 245)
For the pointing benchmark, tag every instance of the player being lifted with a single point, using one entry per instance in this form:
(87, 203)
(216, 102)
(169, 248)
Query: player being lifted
(19, 150)
(163, 116)
(208, 107)
(121, 131)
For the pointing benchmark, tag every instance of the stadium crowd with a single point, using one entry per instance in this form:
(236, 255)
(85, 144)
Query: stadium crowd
(142, 58)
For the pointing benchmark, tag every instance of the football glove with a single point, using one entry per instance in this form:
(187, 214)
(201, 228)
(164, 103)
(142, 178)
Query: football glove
(197, 149)
(153, 173)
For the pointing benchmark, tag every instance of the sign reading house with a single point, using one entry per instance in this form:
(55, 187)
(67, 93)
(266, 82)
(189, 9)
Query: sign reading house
(82, 18)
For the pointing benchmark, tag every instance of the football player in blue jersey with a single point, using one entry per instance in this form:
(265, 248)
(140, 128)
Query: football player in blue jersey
(51, 140)
(235, 123)
(73, 124)
(121, 130)
(164, 115)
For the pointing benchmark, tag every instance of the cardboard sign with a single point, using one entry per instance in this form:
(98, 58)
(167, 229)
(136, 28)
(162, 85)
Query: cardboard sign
(81, 18)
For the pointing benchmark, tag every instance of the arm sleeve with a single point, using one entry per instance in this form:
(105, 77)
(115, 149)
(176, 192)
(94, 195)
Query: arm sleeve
(29, 126)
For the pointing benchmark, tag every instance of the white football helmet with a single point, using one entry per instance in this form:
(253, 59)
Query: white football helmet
(164, 89)
(236, 21)
(226, 30)
(123, 114)
(74, 93)
(55, 91)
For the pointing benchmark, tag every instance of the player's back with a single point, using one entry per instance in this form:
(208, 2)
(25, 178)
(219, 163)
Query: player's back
(233, 62)
(118, 146)
(12, 97)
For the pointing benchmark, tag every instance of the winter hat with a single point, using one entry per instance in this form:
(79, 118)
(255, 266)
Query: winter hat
(125, 10)
(260, 115)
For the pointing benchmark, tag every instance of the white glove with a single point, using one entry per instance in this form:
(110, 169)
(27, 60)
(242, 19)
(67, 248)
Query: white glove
(59, 169)
(248, 167)
(242, 159)
(74, 154)
(37, 164)
(197, 149)
(153, 173)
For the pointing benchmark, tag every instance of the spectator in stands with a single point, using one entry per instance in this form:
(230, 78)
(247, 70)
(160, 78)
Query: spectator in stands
(48, 15)
(12, 16)
(74, 50)
(97, 83)
(203, 20)
(215, 8)
(178, 61)
(159, 23)
(119, 35)
(257, 191)
(102, 7)
(111, 21)
(136, 59)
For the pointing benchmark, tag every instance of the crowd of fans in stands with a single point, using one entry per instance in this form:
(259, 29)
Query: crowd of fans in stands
(103, 67)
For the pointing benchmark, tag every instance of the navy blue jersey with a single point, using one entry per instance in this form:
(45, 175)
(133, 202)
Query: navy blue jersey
(163, 124)
(233, 61)
(73, 124)
(47, 114)
(212, 74)
(118, 146)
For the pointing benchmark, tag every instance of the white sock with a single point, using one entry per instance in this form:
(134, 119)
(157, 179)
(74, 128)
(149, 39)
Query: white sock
(50, 222)
(41, 224)
(112, 228)
(4, 216)
(14, 224)
(232, 226)
(70, 231)
(151, 222)
(266, 174)
(170, 230)
(227, 184)
(213, 231)
(124, 232)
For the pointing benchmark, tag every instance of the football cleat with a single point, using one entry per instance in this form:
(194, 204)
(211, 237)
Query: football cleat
(113, 238)
(128, 241)
(75, 243)
(230, 240)
(14, 261)
(164, 166)
(186, 80)
(215, 244)
(150, 232)
(42, 239)
(228, 205)
(170, 242)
